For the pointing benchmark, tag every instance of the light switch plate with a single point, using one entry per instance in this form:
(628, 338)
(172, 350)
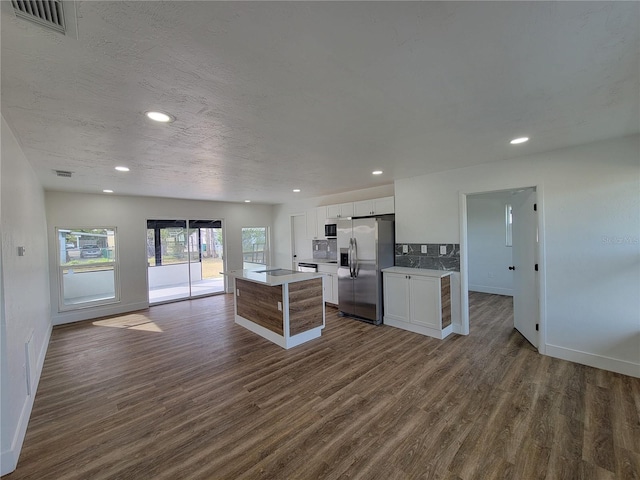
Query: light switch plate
(443, 249)
(405, 248)
(423, 248)
(280, 306)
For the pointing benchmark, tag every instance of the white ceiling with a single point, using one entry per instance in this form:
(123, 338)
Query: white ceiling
(270, 96)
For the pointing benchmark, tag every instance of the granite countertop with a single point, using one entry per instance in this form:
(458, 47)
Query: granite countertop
(418, 271)
(276, 276)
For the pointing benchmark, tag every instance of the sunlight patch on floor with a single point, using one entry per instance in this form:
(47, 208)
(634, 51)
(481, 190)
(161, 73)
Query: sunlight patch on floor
(134, 321)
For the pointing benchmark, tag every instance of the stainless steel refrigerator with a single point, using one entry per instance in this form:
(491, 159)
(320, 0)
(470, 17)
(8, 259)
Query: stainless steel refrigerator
(365, 245)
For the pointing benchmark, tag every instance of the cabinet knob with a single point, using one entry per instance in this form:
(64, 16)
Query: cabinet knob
(512, 268)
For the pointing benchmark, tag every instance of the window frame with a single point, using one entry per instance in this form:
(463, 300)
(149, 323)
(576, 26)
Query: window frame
(115, 265)
(508, 224)
(267, 246)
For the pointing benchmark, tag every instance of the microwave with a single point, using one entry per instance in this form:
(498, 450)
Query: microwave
(330, 230)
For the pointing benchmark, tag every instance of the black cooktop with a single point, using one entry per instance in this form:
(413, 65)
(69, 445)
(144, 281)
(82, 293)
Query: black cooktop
(276, 272)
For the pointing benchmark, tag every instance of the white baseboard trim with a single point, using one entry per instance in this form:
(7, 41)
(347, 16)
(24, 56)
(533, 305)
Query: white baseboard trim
(421, 329)
(281, 341)
(9, 458)
(97, 312)
(459, 329)
(592, 360)
(494, 290)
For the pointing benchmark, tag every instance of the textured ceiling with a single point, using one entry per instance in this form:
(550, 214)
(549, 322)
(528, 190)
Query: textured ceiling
(270, 96)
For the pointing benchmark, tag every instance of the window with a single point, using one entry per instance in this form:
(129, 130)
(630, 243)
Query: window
(87, 267)
(255, 247)
(508, 220)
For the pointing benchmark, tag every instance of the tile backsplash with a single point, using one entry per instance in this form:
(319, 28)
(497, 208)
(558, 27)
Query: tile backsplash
(432, 259)
(325, 249)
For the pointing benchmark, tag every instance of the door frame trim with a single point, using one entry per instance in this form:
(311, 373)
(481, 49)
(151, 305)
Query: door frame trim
(226, 284)
(463, 327)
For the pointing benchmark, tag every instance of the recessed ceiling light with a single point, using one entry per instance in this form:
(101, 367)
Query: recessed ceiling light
(160, 117)
(247, 201)
(377, 172)
(518, 140)
(122, 169)
(107, 191)
(296, 190)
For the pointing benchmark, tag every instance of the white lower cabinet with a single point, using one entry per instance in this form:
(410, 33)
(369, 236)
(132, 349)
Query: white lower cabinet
(329, 282)
(418, 301)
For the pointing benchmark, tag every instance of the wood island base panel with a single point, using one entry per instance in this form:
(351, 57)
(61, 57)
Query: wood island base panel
(288, 314)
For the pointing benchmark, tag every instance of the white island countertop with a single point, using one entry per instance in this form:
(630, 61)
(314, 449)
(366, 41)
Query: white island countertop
(425, 272)
(272, 276)
(320, 261)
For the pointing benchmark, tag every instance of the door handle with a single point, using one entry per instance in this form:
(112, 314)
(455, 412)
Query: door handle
(512, 267)
(355, 254)
(351, 257)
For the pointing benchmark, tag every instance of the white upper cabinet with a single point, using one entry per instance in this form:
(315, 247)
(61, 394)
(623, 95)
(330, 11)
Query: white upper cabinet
(321, 217)
(377, 206)
(312, 224)
(364, 208)
(342, 210)
(384, 205)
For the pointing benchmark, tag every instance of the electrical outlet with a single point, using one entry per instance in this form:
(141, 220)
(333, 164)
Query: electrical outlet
(423, 248)
(405, 248)
(443, 249)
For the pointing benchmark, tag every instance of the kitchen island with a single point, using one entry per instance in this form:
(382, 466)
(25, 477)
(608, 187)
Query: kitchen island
(283, 306)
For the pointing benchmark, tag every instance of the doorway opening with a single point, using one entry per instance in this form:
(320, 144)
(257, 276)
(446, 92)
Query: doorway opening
(501, 254)
(298, 239)
(184, 258)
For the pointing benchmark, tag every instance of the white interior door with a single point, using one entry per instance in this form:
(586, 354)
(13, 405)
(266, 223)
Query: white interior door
(525, 286)
(298, 240)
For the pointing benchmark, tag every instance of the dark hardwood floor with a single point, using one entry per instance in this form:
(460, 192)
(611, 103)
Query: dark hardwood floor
(180, 391)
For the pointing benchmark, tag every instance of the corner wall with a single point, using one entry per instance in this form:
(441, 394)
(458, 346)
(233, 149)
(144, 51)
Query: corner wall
(588, 198)
(24, 299)
(129, 215)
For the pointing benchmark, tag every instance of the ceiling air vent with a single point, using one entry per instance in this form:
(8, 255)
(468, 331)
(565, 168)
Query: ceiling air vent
(48, 13)
(63, 173)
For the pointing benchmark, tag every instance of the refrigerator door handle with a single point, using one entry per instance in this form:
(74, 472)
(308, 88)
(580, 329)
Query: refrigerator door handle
(351, 257)
(355, 258)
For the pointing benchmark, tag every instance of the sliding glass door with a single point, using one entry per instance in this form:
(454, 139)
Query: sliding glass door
(205, 254)
(184, 262)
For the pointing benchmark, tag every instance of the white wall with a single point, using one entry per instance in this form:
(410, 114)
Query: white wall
(24, 302)
(282, 218)
(589, 202)
(488, 256)
(129, 215)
